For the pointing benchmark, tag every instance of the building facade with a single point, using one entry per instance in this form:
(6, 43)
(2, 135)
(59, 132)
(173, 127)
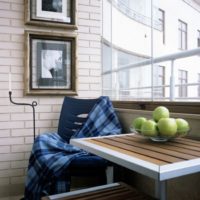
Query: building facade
(133, 33)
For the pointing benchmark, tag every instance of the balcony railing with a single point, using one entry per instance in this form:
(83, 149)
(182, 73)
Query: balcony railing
(133, 92)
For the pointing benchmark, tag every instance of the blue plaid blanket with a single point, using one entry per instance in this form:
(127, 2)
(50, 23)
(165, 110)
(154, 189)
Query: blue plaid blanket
(51, 155)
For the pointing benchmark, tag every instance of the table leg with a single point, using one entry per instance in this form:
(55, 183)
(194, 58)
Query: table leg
(160, 190)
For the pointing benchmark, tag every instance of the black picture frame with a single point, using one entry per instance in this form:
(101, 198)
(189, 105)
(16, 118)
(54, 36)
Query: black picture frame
(45, 13)
(50, 63)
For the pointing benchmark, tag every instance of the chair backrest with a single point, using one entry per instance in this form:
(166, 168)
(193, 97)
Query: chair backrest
(73, 115)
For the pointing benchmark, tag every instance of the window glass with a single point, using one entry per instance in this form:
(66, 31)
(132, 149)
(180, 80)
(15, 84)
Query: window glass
(159, 81)
(150, 46)
(182, 35)
(182, 81)
(161, 18)
(106, 66)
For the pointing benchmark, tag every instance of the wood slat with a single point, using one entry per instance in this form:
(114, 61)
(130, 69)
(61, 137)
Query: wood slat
(188, 144)
(141, 151)
(182, 144)
(121, 191)
(172, 147)
(193, 141)
(127, 152)
(179, 149)
(115, 193)
(150, 146)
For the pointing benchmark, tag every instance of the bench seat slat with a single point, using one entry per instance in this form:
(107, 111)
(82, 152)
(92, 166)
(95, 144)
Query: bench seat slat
(117, 191)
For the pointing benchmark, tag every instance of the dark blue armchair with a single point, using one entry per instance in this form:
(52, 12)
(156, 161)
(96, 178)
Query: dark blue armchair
(73, 115)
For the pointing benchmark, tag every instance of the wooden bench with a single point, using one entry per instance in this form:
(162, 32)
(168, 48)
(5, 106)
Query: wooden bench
(114, 191)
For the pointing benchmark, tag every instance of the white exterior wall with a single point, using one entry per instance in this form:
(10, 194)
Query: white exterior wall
(191, 16)
(187, 14)
(136, 37)
(16, 133)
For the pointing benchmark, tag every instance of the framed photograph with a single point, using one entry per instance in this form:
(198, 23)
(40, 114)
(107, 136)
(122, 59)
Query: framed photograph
(50, 64)
(60, 13)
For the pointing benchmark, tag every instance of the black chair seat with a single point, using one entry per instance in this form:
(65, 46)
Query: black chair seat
(88, 166)
(91, 161)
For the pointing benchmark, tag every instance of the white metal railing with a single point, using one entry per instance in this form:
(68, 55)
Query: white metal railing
(172, 58)
(122, 7)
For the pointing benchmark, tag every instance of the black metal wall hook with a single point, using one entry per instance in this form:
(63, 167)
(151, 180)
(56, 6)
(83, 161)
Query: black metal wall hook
(33, 105)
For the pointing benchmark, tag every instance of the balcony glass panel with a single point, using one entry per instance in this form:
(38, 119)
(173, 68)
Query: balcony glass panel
(144, 58)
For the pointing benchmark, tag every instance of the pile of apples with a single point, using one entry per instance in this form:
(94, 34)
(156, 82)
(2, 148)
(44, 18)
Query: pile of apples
(161, 124)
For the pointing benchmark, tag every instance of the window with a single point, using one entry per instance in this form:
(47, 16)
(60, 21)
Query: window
(107, 63)
(124, 84)
(198, 38)
(123, 59)
(114, 58)
(159, 80)
(183, 79)
(161, 19)
(182, 29)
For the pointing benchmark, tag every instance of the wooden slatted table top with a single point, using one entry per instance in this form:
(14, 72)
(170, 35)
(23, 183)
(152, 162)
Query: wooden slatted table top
(158, 160)
(159, 153)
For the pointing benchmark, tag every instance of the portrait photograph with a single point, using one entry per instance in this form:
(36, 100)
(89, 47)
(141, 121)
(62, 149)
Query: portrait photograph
(51, 63)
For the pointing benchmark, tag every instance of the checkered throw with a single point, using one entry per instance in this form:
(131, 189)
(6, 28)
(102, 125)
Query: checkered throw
(51, 155)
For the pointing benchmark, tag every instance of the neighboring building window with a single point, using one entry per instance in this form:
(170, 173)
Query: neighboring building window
(198, 38)
(182, 29)
(161, 19)
(183, 79)
(199, 85)
(159, 80)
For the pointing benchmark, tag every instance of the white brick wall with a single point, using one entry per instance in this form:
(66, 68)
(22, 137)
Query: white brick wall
(16, 121)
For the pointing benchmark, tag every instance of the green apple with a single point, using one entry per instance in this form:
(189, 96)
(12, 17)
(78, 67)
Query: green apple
(182, 126)
(149, 128)
(137, 123)
(167, 127)
(160, 112)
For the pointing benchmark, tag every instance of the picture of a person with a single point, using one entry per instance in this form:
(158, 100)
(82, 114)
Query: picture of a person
(51, 63)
